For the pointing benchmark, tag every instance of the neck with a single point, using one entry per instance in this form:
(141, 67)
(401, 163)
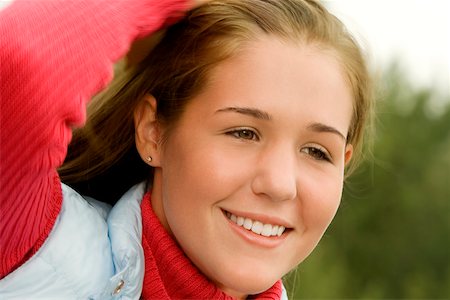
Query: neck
(156, 199)
(232, 293)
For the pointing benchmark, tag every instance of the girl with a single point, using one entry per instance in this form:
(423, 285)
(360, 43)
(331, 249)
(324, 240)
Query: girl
(244, 117)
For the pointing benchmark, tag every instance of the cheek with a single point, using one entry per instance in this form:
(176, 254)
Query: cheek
(199, 177)
(203, 167)
(320, 200)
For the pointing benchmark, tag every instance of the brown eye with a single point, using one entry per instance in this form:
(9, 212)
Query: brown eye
(316, 153)
(244, 134)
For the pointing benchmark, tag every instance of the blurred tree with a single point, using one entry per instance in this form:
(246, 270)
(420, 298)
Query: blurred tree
(391, 236)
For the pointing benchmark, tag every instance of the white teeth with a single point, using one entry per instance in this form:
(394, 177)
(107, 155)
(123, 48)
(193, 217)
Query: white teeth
(267, 230)
(233, 218)
(256, 226)
(248, 224)
(280, 230)
(274, 230)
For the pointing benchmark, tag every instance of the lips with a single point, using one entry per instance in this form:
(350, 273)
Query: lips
(257, 227)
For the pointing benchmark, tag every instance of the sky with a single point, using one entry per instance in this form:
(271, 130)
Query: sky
(416, 32)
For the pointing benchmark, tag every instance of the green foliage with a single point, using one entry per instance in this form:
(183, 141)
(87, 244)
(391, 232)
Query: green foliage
(391, 236)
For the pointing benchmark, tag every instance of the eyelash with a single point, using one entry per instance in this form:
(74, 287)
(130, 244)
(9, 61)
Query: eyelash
(241, 132)
(316, 152)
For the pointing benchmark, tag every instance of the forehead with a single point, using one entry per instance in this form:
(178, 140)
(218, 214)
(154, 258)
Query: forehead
(288, 80)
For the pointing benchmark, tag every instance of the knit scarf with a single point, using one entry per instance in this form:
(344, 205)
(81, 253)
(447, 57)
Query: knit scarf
(169, 274)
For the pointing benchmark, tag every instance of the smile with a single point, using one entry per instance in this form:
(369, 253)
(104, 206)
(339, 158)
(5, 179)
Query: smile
(255, 226)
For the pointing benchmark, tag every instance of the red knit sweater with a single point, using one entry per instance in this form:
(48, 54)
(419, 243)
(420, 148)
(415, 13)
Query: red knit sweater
(54, 56)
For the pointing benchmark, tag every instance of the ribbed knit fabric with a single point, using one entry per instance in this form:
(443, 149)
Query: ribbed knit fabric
(54, 56)
(169, 274)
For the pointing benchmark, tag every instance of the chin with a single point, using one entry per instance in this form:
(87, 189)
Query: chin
(246, 280)
(239, 288)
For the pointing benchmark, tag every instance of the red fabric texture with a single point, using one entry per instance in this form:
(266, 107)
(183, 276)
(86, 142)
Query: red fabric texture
(169, 274)
(54, 56)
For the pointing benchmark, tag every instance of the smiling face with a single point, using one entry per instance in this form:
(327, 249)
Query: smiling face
(251, 176)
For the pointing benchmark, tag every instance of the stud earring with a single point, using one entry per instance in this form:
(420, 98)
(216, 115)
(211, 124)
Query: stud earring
(149, 159)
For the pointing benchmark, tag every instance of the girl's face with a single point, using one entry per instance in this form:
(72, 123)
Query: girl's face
(252, 175)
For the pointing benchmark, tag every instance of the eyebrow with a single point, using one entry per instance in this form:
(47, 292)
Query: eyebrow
(259, 114)
(252, 112)
(320, 127)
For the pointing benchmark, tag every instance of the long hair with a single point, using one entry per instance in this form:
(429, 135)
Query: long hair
(102, 160)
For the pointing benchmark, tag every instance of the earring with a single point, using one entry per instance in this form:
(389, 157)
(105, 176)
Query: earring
(149, 159)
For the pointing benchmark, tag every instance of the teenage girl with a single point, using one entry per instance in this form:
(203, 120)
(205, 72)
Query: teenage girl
(232, 138)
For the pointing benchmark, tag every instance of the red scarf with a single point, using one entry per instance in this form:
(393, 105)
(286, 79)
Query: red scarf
(169, 274)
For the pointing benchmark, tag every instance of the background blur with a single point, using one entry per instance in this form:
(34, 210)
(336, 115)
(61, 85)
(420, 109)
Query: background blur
(391, 236)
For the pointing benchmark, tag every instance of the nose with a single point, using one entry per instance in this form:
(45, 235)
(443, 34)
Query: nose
(275, 175)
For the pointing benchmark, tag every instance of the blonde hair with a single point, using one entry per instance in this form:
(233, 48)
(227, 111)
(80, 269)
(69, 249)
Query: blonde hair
(177, 69)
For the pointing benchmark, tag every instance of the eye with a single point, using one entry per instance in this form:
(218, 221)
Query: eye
(243, 134)
(318, 153)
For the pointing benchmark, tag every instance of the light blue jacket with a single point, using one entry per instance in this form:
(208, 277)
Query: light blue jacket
(93, 252)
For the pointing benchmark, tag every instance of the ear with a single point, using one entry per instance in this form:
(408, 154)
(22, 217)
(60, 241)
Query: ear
(348, 153)
(147, 131)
